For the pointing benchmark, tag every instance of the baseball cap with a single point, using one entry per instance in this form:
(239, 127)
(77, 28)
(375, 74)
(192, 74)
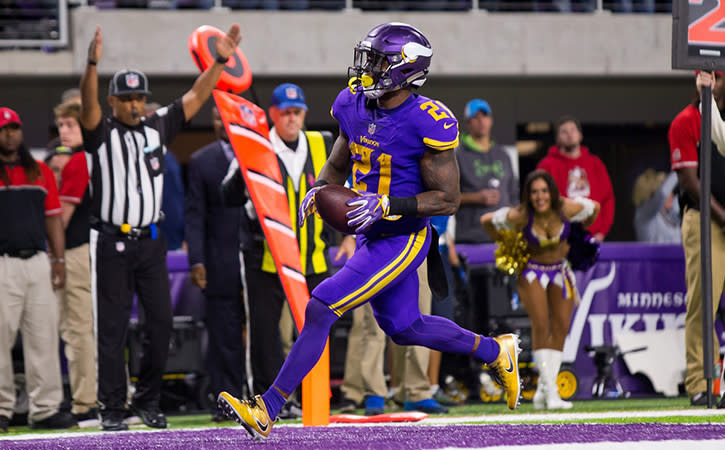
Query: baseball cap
(288, 95)
(7, 116)
(475, 106)
(128, 82)
(55, 148)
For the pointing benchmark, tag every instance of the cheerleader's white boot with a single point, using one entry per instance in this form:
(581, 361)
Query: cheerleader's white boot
(553, 363)
(540, 395)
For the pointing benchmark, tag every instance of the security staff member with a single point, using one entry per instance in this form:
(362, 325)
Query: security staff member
(128, 253)
(301, 156)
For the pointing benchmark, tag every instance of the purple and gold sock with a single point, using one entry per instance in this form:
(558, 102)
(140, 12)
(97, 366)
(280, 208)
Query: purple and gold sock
(304, 355)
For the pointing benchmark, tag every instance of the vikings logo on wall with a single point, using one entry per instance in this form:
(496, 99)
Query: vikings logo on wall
(577, 184)
(132, 80)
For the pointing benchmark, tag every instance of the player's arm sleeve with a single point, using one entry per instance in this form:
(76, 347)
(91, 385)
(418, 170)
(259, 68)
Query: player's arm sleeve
(439, 131)
(338, 106)
(195, 215)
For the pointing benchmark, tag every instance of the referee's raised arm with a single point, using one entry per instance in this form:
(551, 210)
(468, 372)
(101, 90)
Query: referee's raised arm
(90, 108)
(204, 84)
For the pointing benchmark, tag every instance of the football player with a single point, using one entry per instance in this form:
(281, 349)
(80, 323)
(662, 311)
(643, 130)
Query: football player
(399, 146)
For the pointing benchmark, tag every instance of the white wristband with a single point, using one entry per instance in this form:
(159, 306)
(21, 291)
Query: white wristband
(499, 219)
(587, 209)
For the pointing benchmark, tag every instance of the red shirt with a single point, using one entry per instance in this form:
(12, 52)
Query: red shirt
(585, 176)
(74, 179)
(26, 205)
(684, 136)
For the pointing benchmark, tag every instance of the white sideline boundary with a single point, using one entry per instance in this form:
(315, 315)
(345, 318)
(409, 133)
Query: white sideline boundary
(439, 421)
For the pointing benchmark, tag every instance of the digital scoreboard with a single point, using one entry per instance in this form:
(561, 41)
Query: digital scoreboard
(698, 34)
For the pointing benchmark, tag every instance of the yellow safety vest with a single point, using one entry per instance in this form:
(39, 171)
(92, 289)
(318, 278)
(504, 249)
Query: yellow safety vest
(309, 237)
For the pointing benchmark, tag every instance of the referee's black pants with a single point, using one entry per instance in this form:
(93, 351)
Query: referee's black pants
(265, 298)
(121, 267)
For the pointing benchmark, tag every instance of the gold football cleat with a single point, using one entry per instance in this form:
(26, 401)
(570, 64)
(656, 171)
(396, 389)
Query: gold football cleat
(251, 414)
(505, 369)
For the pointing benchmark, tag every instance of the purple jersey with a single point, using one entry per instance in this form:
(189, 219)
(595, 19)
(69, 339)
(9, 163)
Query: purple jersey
(386, 146)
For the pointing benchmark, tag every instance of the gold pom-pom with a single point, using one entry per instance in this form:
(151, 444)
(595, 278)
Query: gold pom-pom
(512, 253)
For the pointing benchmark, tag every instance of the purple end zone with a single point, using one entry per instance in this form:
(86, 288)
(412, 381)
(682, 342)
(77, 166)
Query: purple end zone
(381, 437)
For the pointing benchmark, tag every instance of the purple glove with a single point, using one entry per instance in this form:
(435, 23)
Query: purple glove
(370, 209)
(307, 207)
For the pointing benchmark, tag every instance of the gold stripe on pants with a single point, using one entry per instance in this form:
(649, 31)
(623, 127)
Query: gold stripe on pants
(366, 349)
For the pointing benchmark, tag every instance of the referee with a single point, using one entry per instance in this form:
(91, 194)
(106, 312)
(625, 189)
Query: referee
(128, 252)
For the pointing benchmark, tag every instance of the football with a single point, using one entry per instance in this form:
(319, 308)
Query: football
(330, 201)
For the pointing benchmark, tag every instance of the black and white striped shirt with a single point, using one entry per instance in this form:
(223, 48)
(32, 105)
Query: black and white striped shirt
(126, 166)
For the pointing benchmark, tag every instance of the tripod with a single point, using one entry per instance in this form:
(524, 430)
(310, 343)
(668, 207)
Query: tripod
(604, 357)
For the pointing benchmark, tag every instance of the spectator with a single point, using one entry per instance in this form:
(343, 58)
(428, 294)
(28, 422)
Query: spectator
(267, 4)
(28, 276)
(76, 300)
(488, 178)
(301, 156)
(56, 158)
(443, 307)
(684, 137)
(657, 214)
(212, 232)
(546, 283)
(578, 173)
(128, 253)
(71, 95)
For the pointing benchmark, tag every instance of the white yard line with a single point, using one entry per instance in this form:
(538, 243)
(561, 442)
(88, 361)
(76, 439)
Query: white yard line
(456, 420)
(543, 417)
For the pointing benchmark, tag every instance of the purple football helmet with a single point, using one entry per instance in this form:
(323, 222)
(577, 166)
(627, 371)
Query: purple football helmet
(392, 56)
